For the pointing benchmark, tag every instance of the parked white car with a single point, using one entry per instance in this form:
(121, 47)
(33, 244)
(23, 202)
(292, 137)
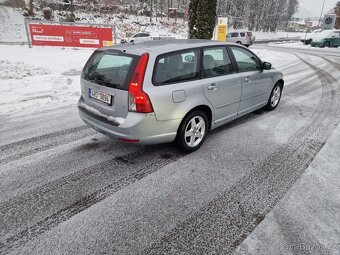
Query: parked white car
(137, 38)
(308, 38)
(245, 38)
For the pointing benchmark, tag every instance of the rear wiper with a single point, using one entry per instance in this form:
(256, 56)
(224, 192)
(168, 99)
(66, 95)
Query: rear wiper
(101, 81)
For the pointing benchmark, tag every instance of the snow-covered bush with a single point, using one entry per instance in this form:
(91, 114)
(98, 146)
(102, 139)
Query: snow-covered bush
(48, 13)
(70, 17)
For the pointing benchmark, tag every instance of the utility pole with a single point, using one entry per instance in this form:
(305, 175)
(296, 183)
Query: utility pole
(323, 6)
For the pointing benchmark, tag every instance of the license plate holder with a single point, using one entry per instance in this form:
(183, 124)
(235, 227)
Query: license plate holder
(100, 96)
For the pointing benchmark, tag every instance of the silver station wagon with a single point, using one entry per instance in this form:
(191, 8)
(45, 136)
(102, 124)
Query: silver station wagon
(175, 90)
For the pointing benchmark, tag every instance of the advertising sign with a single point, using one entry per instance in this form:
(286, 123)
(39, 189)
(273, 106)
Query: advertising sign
(329, 21)
(70, 36)
(222, 29)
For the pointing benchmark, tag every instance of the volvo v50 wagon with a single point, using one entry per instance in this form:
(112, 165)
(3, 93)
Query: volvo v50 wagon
(176, 90)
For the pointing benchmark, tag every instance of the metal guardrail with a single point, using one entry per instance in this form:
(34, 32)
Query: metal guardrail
(287, 39)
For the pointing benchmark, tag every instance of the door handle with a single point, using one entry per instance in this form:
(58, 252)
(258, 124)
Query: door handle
(247, 80)
(213, 87)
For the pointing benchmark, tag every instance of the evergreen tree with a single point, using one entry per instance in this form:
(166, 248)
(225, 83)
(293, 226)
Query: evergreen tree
(202, 18)
(192, 18)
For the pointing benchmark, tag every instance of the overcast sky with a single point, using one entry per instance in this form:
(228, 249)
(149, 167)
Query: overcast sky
(315, 6)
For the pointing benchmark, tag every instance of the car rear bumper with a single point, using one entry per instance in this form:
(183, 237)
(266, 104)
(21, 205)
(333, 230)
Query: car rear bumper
(138, 127)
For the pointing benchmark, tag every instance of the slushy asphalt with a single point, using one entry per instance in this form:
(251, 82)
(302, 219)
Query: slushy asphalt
(307, 219)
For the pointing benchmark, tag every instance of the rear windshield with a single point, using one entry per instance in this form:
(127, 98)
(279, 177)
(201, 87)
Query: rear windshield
(110, 68)
(249, 34)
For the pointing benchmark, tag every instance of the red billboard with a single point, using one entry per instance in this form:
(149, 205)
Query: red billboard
(70, 36)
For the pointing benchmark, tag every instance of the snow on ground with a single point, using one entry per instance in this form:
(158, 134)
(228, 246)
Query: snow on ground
(37, 79)
(277, 59)
(277, 35)
(300, 45)
(307, 219)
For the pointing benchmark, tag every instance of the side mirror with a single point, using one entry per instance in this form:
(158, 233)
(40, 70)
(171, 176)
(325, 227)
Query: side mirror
(267, 66)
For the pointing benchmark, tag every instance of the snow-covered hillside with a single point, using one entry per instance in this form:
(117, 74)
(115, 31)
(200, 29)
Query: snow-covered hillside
(37, 79)
(12, 24)
(12, 28)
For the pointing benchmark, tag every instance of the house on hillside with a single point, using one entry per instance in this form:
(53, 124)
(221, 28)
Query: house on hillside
(301, 25)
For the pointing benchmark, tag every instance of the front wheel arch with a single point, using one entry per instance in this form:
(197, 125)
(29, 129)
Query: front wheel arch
(269, 106)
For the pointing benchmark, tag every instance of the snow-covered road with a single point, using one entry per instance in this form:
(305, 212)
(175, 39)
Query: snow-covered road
(66, 189)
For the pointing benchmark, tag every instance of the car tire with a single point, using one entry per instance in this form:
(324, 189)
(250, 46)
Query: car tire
(326, 44)
(192, 131)
(275, 97)
(239, 42)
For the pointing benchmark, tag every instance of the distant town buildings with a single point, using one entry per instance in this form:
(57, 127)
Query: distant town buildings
(302, 25)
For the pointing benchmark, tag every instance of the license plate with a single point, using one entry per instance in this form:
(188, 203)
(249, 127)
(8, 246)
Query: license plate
(101, 96)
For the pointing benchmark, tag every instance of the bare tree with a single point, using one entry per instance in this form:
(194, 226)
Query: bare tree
(31, 7)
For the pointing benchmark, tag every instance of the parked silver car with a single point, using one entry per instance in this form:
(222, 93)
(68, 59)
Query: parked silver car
(245, 38)
(176, 90)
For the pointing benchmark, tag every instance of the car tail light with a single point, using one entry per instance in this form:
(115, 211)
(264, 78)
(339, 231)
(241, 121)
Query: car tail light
(139, 101)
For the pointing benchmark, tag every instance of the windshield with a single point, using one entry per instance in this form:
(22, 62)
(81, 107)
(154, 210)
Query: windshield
(109, 68)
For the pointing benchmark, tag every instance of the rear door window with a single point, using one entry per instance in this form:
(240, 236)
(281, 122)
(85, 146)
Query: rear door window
(176, 67)
(110, 68)
(216, 62)
(243, 34)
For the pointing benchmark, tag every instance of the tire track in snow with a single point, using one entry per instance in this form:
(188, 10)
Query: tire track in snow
(27, 147)
(336, 65)
(221, 225)
(101, 180)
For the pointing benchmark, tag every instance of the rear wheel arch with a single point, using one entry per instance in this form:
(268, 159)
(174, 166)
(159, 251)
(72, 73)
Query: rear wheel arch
(206, 109)
(202, 114)
(203, 108)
